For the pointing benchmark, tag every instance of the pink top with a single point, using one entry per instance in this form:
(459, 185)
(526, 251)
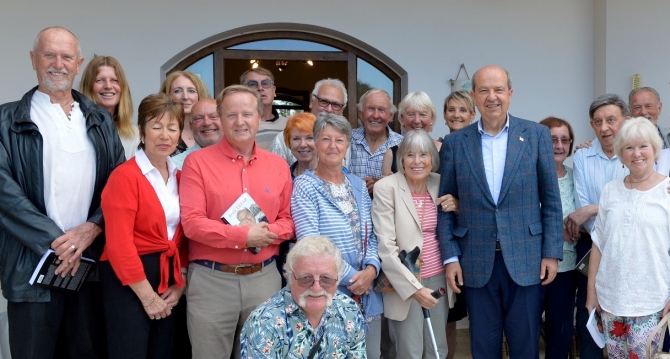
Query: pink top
(430, 253)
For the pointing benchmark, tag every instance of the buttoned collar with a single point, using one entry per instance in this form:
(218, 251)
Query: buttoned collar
(231, 153)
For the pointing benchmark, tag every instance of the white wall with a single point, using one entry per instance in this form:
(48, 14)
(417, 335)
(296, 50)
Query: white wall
(546, 46)
(638, 43)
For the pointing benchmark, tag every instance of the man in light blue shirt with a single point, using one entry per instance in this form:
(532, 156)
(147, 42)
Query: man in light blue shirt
(206, 125)
(593, 168)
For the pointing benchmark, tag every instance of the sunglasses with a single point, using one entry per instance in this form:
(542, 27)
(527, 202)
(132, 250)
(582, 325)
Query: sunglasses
(266, 84)
(306, 282)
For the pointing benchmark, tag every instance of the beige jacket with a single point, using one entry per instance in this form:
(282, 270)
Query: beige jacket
(397, 226)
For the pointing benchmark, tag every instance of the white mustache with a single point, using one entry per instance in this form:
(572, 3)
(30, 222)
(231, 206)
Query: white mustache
(302, 301)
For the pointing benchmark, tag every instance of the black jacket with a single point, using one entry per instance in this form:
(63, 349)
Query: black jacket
(25, 230)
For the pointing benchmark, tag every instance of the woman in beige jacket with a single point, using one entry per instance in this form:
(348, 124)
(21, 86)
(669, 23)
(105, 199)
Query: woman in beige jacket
(404, 213)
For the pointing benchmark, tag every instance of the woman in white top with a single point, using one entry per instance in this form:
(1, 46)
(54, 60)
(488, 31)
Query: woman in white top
(628, 275)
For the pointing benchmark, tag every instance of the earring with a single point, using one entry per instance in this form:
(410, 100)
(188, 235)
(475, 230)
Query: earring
(142, 140)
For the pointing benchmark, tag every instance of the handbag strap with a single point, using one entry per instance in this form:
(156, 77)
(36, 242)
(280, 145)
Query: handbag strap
(315, 348)
(661, 327)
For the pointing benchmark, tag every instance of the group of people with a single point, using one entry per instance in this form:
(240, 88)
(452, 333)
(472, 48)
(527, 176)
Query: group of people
(358, 228)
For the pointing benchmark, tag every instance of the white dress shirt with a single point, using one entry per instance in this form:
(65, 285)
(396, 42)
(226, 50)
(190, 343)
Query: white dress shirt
(167, 193)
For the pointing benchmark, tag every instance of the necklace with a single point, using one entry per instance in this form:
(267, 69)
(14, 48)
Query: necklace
(630, 180)
(67, 108)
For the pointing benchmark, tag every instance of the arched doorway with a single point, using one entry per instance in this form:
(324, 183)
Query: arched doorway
(298, 55)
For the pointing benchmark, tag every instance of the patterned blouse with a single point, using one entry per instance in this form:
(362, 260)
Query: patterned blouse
(278, 328)
(567, 187)
(343, 196)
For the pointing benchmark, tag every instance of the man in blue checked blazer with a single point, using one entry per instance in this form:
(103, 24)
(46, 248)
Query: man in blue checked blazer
(506, 241)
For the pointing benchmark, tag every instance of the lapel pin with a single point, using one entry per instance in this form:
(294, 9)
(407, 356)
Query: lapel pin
(520, 138)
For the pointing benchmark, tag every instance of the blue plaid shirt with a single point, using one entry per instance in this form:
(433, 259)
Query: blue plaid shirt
(363, 162)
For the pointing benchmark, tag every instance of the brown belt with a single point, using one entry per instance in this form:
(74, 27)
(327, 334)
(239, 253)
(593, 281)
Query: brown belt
(240, 269)
(497, 246)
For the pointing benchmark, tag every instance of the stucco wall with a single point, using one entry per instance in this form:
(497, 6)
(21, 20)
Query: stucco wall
(546, 46)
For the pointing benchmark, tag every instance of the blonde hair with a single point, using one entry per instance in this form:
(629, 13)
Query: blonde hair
(123, 113)
(637, 128)
(235, 89)
(200, 86)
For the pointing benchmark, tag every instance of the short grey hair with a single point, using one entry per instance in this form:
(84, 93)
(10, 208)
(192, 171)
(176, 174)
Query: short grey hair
(474, 77)
(640, 89)
(417, 99)
(361, 101)
(609, 99)
(419, 141)
(36, 43)
(637, 128)
(313, 246)
(336, 121)
(332, 82)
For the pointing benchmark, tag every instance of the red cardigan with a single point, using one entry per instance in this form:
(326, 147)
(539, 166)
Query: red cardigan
(135, 225)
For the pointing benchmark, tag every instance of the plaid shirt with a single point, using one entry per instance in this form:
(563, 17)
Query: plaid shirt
(363, 162)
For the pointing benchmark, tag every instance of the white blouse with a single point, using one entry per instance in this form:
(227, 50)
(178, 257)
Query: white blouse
(633, 234)
(167, 193)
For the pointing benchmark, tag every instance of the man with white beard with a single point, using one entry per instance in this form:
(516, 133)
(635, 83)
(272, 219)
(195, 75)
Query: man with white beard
(294, 322)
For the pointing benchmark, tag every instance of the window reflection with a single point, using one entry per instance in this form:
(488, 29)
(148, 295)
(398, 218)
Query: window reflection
(284, 45)
(204, 68)
(369, 77)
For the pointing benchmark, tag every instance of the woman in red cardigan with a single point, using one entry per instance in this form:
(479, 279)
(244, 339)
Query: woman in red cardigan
(142, 266)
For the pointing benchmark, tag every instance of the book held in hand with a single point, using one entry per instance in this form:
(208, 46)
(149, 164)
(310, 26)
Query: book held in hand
(44, 275)
(244, 212)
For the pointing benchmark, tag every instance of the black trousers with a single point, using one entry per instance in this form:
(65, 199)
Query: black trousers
(130, 331)
(69, 326)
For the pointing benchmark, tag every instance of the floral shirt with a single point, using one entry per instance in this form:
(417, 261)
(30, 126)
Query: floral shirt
(278, 328)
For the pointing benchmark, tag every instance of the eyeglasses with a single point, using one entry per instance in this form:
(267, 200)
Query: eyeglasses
(254, 84)
(565, 141)
(306, 282)
(323, 103)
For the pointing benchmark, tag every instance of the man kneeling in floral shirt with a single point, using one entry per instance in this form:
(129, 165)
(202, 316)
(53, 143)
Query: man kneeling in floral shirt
(308, 318)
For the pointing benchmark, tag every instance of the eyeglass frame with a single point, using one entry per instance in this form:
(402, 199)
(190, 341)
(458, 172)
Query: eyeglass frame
(556, 140)
(336, 106)
(256, 85)
(312, 281)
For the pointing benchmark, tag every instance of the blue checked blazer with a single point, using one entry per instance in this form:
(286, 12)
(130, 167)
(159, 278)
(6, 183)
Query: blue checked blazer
(527, 220)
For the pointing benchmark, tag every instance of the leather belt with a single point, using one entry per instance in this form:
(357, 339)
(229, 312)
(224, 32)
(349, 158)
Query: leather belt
(239, 269)
(497, 246)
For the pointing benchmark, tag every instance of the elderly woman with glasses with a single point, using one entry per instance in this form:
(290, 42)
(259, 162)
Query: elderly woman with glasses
(405, 217)
(628, 281)
(559, 297)
(328, 202)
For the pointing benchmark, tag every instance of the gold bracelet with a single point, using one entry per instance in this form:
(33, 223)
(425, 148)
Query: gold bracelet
(152, 300)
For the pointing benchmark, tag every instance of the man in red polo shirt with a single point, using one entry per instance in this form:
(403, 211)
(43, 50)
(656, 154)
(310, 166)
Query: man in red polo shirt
(226, 279)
